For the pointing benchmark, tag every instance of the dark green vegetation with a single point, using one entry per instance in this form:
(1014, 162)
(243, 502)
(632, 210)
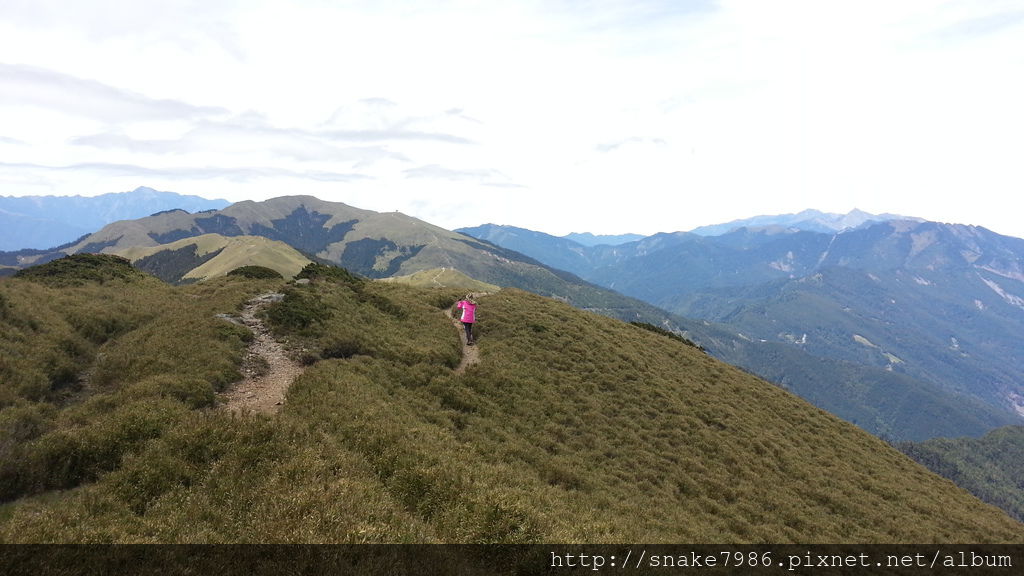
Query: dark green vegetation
(172, 265)
(991, 467)
(667, 334)
(304, 230)
(891, 405)
(573, 427)
(81, 269)
(211, 255)
(256, 272)
(910, 329)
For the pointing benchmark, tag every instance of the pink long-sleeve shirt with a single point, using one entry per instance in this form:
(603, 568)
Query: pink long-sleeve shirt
(468, 310)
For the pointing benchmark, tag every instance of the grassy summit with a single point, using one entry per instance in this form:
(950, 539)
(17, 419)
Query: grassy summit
(573, 427)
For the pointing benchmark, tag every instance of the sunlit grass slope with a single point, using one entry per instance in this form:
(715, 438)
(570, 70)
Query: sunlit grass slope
(573, 427)
(443, 278)
(225, 254)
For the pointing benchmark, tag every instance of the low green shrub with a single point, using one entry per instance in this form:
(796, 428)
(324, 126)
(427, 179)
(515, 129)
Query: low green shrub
(315, 271)
(78, 269)
(667, 333)
(342, 348)
(299, 311)
(256, 272)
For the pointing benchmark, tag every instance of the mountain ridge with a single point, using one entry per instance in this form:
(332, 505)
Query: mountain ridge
(380, 245)
(572, 427)
(809, 220)
(588, 239)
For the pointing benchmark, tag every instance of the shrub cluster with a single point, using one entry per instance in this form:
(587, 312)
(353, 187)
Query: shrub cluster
(77, 269)
(318, 271)
(259, 272)
(667, 333)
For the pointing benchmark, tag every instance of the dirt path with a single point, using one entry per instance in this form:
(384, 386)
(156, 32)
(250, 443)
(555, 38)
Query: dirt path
(438, 275)
(268, 370)
(470, 354)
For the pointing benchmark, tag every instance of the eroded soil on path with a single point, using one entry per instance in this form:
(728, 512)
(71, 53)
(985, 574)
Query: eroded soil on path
(470, 354)
(267, 368)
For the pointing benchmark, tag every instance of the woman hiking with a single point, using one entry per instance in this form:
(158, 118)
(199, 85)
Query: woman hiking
(468, 317)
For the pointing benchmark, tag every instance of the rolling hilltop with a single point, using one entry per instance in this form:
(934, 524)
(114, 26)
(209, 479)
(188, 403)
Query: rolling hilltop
(571, 427)
(372, 244)
(213, 255)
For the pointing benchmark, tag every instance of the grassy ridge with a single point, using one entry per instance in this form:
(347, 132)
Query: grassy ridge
(215, 255)
(573, 427)
(443, 278)
(90, 372)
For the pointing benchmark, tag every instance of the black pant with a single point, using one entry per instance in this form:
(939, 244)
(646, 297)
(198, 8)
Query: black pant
(469, 331)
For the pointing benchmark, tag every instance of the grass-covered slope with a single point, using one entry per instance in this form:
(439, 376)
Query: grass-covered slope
(443, 278)
(213, 255)
(572, 427)
(991, 467)
(97, 359)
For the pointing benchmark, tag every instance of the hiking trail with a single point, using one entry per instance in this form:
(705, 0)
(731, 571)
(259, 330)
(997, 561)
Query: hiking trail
(470, 354)
(267, 369)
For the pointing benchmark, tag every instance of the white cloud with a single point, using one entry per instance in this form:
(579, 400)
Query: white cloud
(30, 86)
(612, 116)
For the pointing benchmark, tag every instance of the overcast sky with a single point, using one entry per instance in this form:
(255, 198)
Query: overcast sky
(559, 116)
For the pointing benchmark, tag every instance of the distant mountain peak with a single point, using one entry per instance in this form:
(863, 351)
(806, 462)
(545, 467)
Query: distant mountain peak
(807, 220)
(589, 239)
(42, 222)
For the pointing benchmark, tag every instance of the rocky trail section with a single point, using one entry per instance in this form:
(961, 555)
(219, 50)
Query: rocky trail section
(267, 368)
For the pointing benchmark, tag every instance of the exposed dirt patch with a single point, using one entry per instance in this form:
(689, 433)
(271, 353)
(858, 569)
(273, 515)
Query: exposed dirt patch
(268, 370)
(470, 354)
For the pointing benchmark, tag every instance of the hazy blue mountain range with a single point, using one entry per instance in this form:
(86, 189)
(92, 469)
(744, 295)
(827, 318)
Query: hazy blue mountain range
(49, 221)
(812, 220)
(557, 252)
(588, 239)
(939, 304)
